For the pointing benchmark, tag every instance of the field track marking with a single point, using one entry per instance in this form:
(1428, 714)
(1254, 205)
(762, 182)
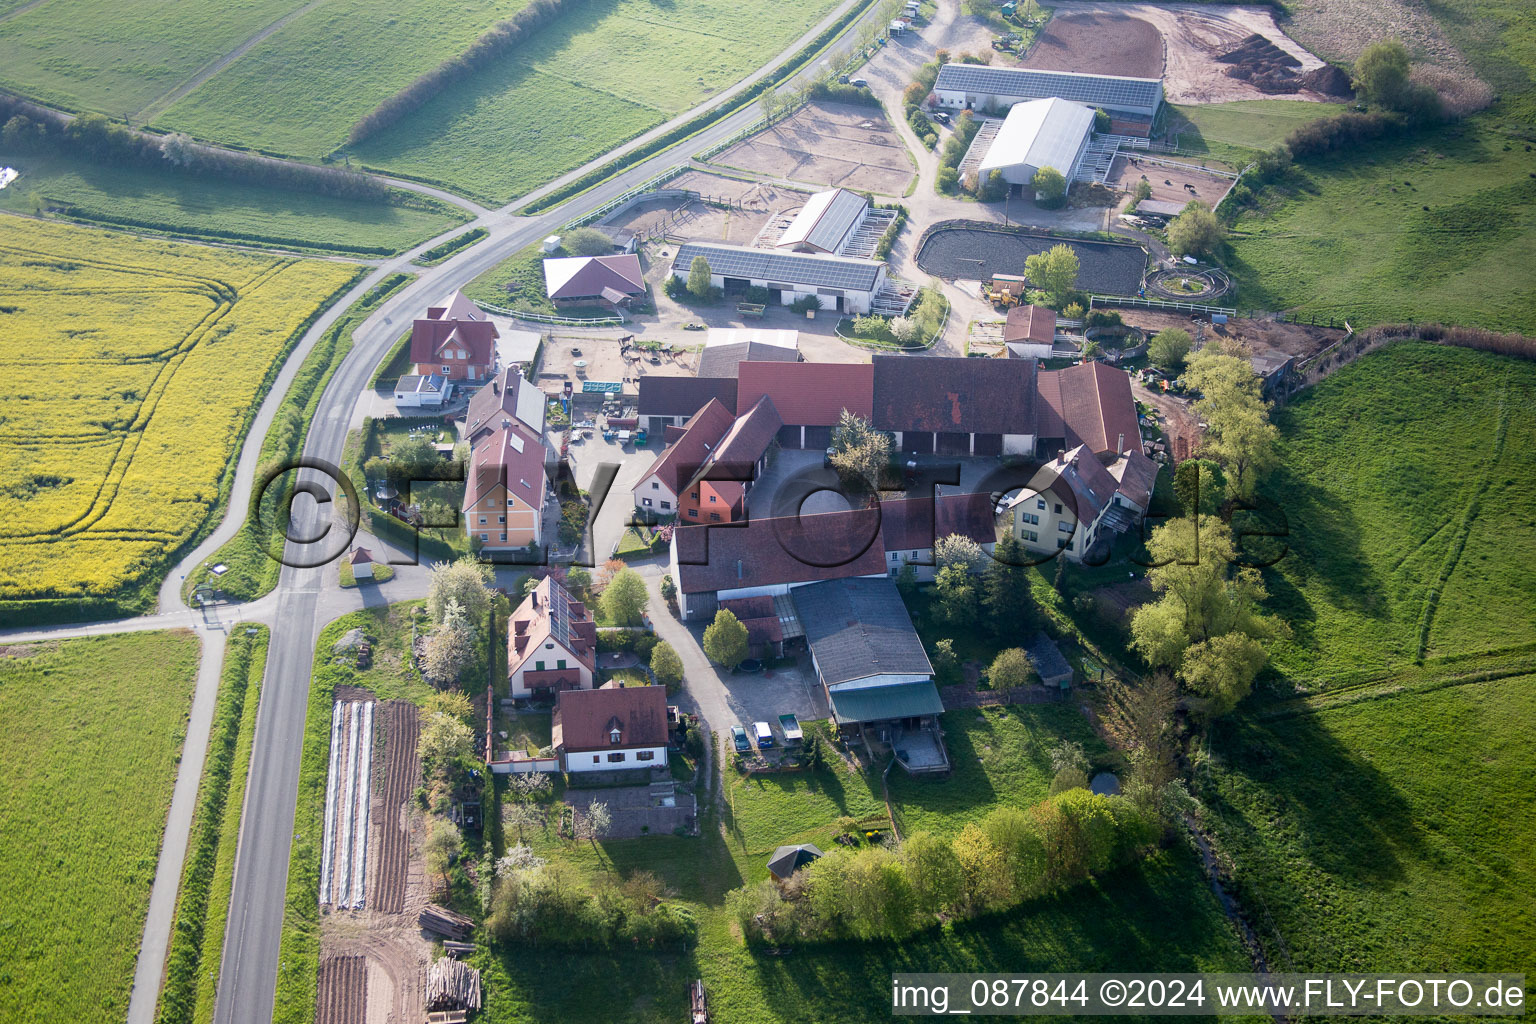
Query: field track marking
(158, 106)
(1463, 530)
(23, 9)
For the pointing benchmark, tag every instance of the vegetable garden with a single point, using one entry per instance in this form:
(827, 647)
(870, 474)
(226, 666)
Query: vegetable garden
(135, 366)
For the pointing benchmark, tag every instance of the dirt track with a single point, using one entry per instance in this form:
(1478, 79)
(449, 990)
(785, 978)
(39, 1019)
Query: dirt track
(1085, 41)
(1194, 35)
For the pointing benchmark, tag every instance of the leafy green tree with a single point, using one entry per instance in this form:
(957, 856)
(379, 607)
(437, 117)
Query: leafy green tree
(1223, 668)
(880, 900)
(956, 594)
(1005, 588)
(1200, 486)
(1054, 271)
(944, 658)
(1101, 121)
(666, 664)
(1017, 837)
(1050, 187)
(1239, 434)
(933, 871)
(1139, 718)
(993, 188)
(466, 582)
(958, 549)
(1196, 232)
(451, 649)
(947, 181)
(444, 843)
(1381, 73)
(587, 242)
(668, 587)
(985, 881)
(860, 453)
(1169, 347)
(699, 277)
(725, 639)
(624, 598)
(444, 740)
(1010, 670)
(906, 580)
(1143, 190)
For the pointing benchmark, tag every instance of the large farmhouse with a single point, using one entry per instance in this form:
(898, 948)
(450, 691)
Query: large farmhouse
(1039, 133)
(610, 729)
(455, 341)
(1079, 499)
(593, 280)
(826, 222)
(934, 404)
(506, 489)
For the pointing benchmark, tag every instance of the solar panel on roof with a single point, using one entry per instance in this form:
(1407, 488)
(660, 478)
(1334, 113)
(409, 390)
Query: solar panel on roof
(1096, 90)
(559, 615)
(788, 268)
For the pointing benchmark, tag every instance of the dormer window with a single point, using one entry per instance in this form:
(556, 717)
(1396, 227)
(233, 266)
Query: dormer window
(613, 736)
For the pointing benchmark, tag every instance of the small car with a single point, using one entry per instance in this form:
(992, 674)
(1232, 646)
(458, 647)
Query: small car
(859, 83)
(939, 116)
(739, 739)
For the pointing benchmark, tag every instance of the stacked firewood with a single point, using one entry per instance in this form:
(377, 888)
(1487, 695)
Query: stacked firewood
(452, 985)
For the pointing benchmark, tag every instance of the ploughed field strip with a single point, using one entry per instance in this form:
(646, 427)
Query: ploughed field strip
(972, 254)
(342, 997)
(344, 851)
(402, 727)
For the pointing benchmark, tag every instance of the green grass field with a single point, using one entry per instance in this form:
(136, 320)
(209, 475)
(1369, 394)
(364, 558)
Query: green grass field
(1434, 227)
(1232, 132)
(90, 738)
(1001, 757)
(218, 210)
(301, 89)
(1386, 468)
(118, 58)
(584, 85)
(1393, 834)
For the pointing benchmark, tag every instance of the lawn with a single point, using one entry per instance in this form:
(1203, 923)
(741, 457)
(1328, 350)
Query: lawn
(1386, 468)
(1437, 226)
(606, 73)
(301, 89)
(1389, 834)
(202, 911)
(517, 282)
(138, 365)
(90, 738)
(1001, 758)
(212, 208)
(117, 58)
(1232, 132)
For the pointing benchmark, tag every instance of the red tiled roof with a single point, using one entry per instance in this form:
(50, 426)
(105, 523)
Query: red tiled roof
(1030, 324)
(948, 394)
(681, 462)
(913, 524)
(1090, 404)
(477, 337)
(585, 719)
(530, 626)
(498, 400)
(684, 396)
(757, 614)
(577, 277)
(808, 394)
(361, 555)
(789, 549)
(509, 455)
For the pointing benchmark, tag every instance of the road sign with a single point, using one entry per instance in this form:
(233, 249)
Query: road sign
(601, 387)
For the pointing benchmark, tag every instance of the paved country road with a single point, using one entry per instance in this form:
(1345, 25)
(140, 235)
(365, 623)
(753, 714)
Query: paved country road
(303, 601)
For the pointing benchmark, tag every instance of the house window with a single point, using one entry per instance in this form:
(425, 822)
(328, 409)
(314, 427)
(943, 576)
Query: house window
(538, 666)
(1058, 508)
(1039, 503)
(1063, 527)
(646, 502)
(695, 495)
(616, 758)
(510, 503)
(893, 556)
(560, 663)
(646, 755)
(655, 486)
(549, 646)
(484, 536)
(714, 517)
(501, 519)
(693, 513)
(666, 504)
(1030, 518)
(613, 736)
(713, 499)
(447, 369)
(1062, 542)
(596, 758)
(1031, 535)
(482, 520)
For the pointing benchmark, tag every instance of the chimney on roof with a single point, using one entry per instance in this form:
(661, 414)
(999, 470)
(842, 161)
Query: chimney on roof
(1061, 454)
(1120, 444)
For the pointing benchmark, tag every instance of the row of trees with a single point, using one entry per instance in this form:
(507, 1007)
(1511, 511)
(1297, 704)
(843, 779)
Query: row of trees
(31, 129)
(1013, 855)
(492, 45)
(551, 904)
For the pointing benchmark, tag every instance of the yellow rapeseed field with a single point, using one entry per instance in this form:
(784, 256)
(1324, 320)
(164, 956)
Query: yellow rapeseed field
(130, 368)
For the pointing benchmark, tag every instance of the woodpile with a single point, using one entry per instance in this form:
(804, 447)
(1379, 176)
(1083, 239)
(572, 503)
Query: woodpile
(698, 1002)
(442, 921)
(452, 985)
(458, 950)
(448, 1017)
